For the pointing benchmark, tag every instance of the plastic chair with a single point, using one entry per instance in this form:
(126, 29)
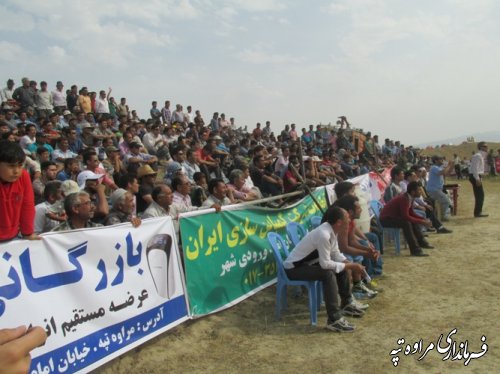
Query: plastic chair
(296, 232)
(376, 206)
(279, 246)
(315, 221)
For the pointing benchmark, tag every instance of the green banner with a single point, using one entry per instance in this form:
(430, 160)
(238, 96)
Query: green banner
(227, 256)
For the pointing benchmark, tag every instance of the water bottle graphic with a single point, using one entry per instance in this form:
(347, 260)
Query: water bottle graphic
(161, 264)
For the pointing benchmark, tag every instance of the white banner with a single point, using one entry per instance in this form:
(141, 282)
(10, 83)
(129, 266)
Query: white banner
(97, 292)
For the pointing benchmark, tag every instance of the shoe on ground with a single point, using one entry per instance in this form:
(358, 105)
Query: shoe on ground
(481, 215)
(351, 311)
(359, 305)
(373, 286)
(444, 230)
(419, 254)
(427, 246)
(340, 325)
(363, 292)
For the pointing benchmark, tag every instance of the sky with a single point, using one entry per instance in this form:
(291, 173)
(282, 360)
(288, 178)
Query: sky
(416, 71)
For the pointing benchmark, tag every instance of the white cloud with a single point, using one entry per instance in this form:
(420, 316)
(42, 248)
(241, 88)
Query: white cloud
(57, 53)
(263, 54)
(259, 5)
(12, 52)
(15, 21)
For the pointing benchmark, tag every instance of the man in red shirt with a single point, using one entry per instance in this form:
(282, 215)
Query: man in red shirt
(17, 205)
(398, 213)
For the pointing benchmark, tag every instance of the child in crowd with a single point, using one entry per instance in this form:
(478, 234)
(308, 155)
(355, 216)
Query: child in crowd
(17, 205)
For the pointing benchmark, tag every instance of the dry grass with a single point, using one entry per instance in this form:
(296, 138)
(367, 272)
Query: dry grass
(457, 286)
(464, 150)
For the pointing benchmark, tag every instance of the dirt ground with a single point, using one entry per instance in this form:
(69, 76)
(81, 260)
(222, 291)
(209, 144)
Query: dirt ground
(457, 286)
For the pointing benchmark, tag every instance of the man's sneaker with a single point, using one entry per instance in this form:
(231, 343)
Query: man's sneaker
(373, 286)
(351, 311)
(444, 230)
(360, 288)
(340, 325)
(359, 305)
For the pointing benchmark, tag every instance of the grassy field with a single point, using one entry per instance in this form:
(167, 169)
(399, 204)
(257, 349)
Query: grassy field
(457, 286)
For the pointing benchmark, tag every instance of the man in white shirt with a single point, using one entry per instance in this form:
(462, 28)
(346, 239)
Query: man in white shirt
(219, 194)
(59, 98)
(101, 102)
(317, 258)
(476, 170)
(44, 103)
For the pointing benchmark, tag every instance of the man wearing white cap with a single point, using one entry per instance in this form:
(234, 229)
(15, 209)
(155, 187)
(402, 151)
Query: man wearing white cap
(89, 182)
(122, 205)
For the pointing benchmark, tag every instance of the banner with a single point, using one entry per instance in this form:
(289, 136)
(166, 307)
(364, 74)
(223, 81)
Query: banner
(370, 185)
(227, 256)
(97, 292)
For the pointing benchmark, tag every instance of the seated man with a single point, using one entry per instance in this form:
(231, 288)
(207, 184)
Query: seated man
(317, 257)
(80, 210)
(394, 189)
(398, 213)
(219, 194)
(369, 239)
(162, 206)
(351, 247)
(435, 185)
(122, 205)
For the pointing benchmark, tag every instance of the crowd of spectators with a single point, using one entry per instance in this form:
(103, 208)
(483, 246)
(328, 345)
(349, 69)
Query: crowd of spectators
(174, 161)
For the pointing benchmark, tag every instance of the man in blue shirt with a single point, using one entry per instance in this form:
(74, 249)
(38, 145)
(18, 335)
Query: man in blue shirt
(436, 182)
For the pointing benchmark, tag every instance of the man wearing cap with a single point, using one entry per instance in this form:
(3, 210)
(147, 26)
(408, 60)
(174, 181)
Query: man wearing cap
(122, 205)
(476, 171)
(80, 211)
(59, 98)
(147, 178)
(25, 95)
(87, 136)
(135, 158)
(89, 182)
(435, 185)
(91, 161)
(113, 163)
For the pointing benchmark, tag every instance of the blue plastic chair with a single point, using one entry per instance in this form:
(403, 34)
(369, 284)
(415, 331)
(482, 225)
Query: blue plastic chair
(376, 206)
(279, 246)
(315, 221)
(296, 232)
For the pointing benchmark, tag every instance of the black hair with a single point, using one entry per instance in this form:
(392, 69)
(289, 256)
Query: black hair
(413, 186)
(342, 188)
(45, 165)
(156, 192)
(68, 161)
(332, 215)
(346, 202)
(11, 152)
(177, 181)
(198, 175)
(51, 188)
(125, 179)
(213, 184)
(395, 171)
